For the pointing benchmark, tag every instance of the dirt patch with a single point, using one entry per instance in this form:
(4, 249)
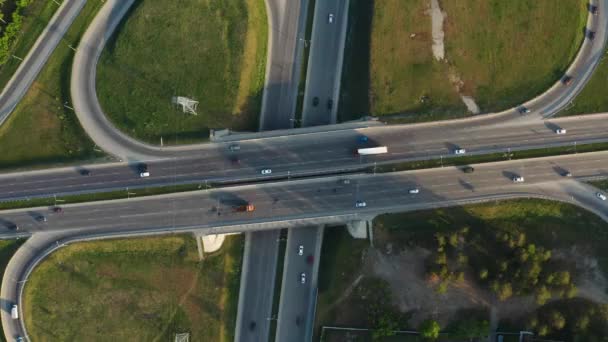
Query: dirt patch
(405, 272)
(437, 18)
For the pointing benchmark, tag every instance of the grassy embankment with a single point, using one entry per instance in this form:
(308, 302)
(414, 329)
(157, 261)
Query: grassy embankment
(135, 290)
(213, 52)
(7, 249)
(43, 132)
(496, 51)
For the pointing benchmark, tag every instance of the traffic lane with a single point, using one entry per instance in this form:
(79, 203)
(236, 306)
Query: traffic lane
(295, 295)
(258, 294)
(306, 198)
(323, 62)
(304, 155)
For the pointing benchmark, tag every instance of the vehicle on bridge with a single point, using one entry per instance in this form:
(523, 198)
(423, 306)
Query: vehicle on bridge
(371, 151)
(245, 208)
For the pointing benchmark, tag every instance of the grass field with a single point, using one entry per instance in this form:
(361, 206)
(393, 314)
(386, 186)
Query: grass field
(143, 289)
(212, 51)
(591, 99)
(41, 131)
(35, 18)
(7, 249)
(552, 224)
(500, 50)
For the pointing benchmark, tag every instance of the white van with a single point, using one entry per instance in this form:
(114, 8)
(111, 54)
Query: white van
(15, 311)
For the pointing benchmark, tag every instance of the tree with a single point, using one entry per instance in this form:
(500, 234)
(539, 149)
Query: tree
(505, 291)
(483, 274)
(557, 320)
(429, 329)
(385, 326)
(542, 295)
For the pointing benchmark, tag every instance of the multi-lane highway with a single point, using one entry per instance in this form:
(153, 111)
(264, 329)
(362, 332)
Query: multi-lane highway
(308, 154)
(325, 62)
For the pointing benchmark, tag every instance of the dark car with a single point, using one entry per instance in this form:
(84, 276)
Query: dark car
(593, 9)
(58, 210)
(363, 139)
(310, 259)
(235, 160)
(142, 167)
(85, 172)
(41, 218)
(12, 226)
(315, 101)
(567, 80)
(590, 35)
(468, 169)
(330, 104)
(252, 325)
(523, 110)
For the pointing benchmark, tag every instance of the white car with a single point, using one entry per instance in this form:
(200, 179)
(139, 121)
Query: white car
(518, 179)
(330, 18)
(460, 151)
(301, 250)
(560, 131)
(601, 196)
(144, 174)
(302, 278)
(360, 204)
(414, 191)
(266, 171)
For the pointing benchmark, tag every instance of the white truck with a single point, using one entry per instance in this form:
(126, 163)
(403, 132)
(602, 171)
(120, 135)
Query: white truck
(371, 151)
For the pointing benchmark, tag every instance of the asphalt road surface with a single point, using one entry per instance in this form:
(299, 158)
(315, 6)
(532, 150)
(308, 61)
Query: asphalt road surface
(306, 154)
(325, 62)
(312, 199)
(257, 290)
(31, 65)
(297, 298)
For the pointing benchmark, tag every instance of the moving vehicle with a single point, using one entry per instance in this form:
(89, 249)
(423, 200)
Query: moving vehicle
(518, 179)
(41, 218)
(235, 160)
(590, 35)
(234, 147)
(567, 174)
(85, 172)
(371, 151)
(143, 170)
(315, 101)
(362, 139)
(601, 196)
(330, 18)
(252, 325)
(567, 80)
(245, 208)
(460, 151)
(345, 181)
(560, 131)
(266, 171)
(523, 110)
(468, 169)
(414, 191)
(593, 9)
(302, 278)
(301, 250)
(58, 210)
(14, 311)
(360, 204)
(330, 104)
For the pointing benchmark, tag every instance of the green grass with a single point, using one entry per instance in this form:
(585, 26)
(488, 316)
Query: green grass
(212, 51)
(35, 18)
(600, 184)
(143, 289)
(502, 52)
(41, 131)
(590, 99)
(7, 249)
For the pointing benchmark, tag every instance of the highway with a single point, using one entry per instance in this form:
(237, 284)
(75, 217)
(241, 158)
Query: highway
(31, 65)
(314, 201)
(325, 62)
(307, 154)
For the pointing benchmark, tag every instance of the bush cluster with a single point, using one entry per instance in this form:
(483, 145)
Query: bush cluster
(9, 33)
